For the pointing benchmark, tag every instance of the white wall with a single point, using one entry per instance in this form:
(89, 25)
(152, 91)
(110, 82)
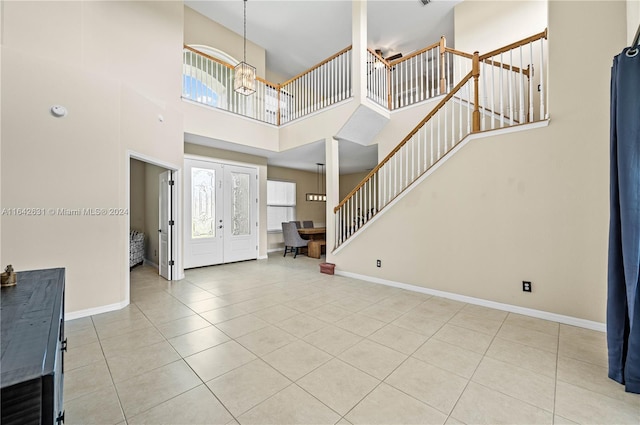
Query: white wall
(524, 206)
(101, 66)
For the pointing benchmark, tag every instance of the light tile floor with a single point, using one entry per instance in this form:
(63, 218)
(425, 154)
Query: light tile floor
(277, 342)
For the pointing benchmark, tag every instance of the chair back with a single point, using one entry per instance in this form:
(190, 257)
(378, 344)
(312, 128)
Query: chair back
(307, 224)
(291, 236)
(297, 223)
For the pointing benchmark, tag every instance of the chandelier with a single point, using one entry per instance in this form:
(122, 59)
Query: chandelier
(244, 81)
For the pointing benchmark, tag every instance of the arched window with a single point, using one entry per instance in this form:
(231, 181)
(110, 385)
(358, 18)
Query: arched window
(206, 81)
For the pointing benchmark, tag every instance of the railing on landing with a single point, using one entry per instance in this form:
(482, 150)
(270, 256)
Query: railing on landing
(503, 88)
(209, 81)
(420, 76)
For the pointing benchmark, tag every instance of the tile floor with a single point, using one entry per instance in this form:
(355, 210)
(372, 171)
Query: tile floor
(276, 342)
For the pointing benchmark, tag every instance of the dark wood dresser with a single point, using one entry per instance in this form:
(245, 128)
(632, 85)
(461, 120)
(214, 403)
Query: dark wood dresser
(32, 346)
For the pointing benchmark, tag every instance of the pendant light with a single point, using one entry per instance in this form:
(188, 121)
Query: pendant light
(321, 196)
(245, 75)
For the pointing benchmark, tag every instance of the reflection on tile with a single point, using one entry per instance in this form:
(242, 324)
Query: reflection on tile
(332, 339)
(482, 405)
(199, 340)
(247, 386)
(530, 337)
(223, 314)
(449, 357)
(594, 378)
(130, 341)
(434, 386)
(241, 325)
(215, 361)
(375, 359)
(475, 323)
(399, 339)
(265, 340)
(290, 406)
(276, 313)
(533, 323)
(584, 406)
(130, 363)
(360, 324)
(142, 392)
(386, 405)
(99, 407)
(338, 385)
(82, 336)
(464, 338)
(297, 359)
(182, 326)
(519, 383)
(83, 355)
(302, 325)
(86, 379)
(583, 344)
(196, 406)
(534, 359)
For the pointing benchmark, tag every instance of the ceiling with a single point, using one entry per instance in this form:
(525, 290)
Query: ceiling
(299, 34)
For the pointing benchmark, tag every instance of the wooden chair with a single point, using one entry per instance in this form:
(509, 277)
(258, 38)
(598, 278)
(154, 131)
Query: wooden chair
(307, 224)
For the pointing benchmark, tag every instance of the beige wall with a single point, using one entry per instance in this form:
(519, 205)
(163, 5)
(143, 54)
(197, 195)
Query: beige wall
(633, 19)
(487, 25)
(137, 195)
(349, 181)
(306, 182)
(99, 67)
(260, 163)
(198, 29)
(531, 205)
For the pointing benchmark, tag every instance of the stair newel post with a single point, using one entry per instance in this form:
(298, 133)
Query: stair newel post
(388, 85)
(476, 97)
(279, 88)
(443, 80)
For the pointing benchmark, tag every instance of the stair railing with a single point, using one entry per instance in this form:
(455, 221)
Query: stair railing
(493, 94)
(422, 75)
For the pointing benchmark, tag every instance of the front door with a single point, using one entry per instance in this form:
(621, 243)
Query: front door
(220, 213)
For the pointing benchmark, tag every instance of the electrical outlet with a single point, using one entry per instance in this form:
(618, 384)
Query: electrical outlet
(526, 286)
(378, 263)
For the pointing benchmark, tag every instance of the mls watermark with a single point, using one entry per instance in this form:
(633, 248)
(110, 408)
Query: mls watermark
(64, 212)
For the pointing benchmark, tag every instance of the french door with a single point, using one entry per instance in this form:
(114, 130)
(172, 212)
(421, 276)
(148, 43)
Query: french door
(220, 213)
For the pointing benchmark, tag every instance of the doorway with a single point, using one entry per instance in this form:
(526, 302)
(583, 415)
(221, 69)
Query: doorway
(152, 217)
(220, 207)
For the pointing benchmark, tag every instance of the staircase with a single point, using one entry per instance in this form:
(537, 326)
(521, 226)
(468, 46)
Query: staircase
(504, 88)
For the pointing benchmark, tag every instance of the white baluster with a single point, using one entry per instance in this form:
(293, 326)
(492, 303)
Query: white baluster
(542, 88)
(531, 74)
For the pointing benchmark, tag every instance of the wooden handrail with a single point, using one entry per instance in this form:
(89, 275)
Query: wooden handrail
(458, 52)
(313, 68)
(522, 42)
(416, 53)
(507, 67)
(379, 57)
(262, 80)
(417, 128)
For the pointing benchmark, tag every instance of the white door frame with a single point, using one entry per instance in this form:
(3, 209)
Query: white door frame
(228, 162)
(177, 213)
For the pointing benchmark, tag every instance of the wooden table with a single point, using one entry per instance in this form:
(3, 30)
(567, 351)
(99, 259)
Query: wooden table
(316, 237)
(313, 232)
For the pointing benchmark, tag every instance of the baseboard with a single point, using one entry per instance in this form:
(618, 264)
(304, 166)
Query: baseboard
(150, 263)
(96, 310)
(269, 251)
(540, 314)
(263, 257)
